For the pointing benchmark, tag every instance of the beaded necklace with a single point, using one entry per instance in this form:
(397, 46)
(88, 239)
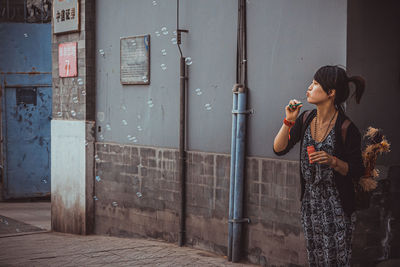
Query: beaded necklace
(315, 126)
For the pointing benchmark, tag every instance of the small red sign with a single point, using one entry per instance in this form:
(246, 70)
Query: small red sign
(67, 63)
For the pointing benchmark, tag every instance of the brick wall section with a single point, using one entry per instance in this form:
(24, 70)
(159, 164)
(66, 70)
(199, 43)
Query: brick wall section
(82, 87)
(142, 183)
(65, 89)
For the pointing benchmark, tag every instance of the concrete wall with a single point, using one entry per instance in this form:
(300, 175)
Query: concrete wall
(72, 132)
(137, 194)
(374, 52)
(68, 167)
(287, 42)
(137, 191)
(373, 49)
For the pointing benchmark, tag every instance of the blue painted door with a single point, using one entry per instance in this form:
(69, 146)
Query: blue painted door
(27, 116)
(25, 67)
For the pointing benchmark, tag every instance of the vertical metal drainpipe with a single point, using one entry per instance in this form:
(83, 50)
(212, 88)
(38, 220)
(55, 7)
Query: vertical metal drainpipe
(232, 172)
(182, 152)
(239, 115)
(239, 175)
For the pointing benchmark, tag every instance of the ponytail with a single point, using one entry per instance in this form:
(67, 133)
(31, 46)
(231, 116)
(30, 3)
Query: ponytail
(335, 77)
(360, 87)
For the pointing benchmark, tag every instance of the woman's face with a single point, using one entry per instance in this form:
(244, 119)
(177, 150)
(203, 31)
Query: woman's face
(315, 93)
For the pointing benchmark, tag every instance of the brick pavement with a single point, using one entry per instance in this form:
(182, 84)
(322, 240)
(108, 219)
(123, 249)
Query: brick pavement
(57, 249)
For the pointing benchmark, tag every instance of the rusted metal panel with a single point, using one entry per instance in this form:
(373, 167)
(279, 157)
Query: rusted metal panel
(25, 75)
(27, 141)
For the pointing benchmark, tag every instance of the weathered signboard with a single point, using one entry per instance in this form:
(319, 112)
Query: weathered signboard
(135, 60)
(67, 63)
(66, 16)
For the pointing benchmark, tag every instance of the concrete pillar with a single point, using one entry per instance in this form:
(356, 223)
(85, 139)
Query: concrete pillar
(73, 131)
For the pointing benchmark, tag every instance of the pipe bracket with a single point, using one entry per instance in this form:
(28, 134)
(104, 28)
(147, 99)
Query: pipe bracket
(249, 111)
(243, 220)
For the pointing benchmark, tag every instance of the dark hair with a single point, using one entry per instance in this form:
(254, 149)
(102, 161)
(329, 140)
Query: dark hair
(335, 77)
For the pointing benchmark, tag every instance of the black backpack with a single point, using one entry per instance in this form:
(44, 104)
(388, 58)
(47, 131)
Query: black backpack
(362, 198)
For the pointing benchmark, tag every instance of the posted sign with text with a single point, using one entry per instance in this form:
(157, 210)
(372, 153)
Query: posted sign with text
(67, 63)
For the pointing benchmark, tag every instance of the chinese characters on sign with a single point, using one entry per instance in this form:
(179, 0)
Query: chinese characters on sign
(66, 16)
(135, 60)
(67, 65)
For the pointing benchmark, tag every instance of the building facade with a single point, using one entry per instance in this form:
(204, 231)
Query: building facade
(115, 146)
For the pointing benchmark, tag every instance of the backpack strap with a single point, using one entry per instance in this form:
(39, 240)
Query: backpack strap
(345, 125)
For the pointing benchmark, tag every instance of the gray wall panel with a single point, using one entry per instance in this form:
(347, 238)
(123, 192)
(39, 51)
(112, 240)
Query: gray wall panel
(287, 42)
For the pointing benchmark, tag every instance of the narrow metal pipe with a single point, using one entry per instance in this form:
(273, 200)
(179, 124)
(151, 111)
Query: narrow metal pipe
(232, 172)
(237, 165)
(239, 175)
(182, 153)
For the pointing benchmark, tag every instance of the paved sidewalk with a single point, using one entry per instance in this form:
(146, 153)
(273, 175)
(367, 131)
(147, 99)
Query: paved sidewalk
(34, 213)
(56, 249)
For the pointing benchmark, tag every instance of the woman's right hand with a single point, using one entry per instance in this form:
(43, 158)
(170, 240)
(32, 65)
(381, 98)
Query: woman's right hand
(292, 113)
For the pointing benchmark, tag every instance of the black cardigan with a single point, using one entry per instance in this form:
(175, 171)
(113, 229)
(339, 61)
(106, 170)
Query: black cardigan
(349, 152)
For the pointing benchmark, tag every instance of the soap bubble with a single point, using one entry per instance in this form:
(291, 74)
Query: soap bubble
(208, 106)
(44, 180)
(83, 93)
(59, 114)
(145, 79)
(132, 138)
(114, 204)
(101, 52)
(73, 113)
(163, 52)
(163, 66)
(25, 35)
(75, 99)
(139, 128)
(95, 198)
(80, 81)
(123, 107)
(101, 137)
(98, 179)
(150, 103)
(164, 30)
(154, 3)
(198, 91)
(96, 157)
(138, 194)
(188, 61)
(174, 40)
(174, 33)
(108, 127)
(17, 230)
(100, 116)
(158, 33)
(124, 122)
(140, 165)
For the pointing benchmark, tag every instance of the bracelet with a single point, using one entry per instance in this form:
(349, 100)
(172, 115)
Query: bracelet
(288, 123)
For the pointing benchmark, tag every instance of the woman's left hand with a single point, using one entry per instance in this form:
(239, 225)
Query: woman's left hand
(321, 157)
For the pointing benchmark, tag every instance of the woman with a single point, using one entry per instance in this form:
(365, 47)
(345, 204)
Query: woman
(327, 175)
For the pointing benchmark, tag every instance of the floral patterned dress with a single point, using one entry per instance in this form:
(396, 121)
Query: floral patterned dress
(327, 230)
